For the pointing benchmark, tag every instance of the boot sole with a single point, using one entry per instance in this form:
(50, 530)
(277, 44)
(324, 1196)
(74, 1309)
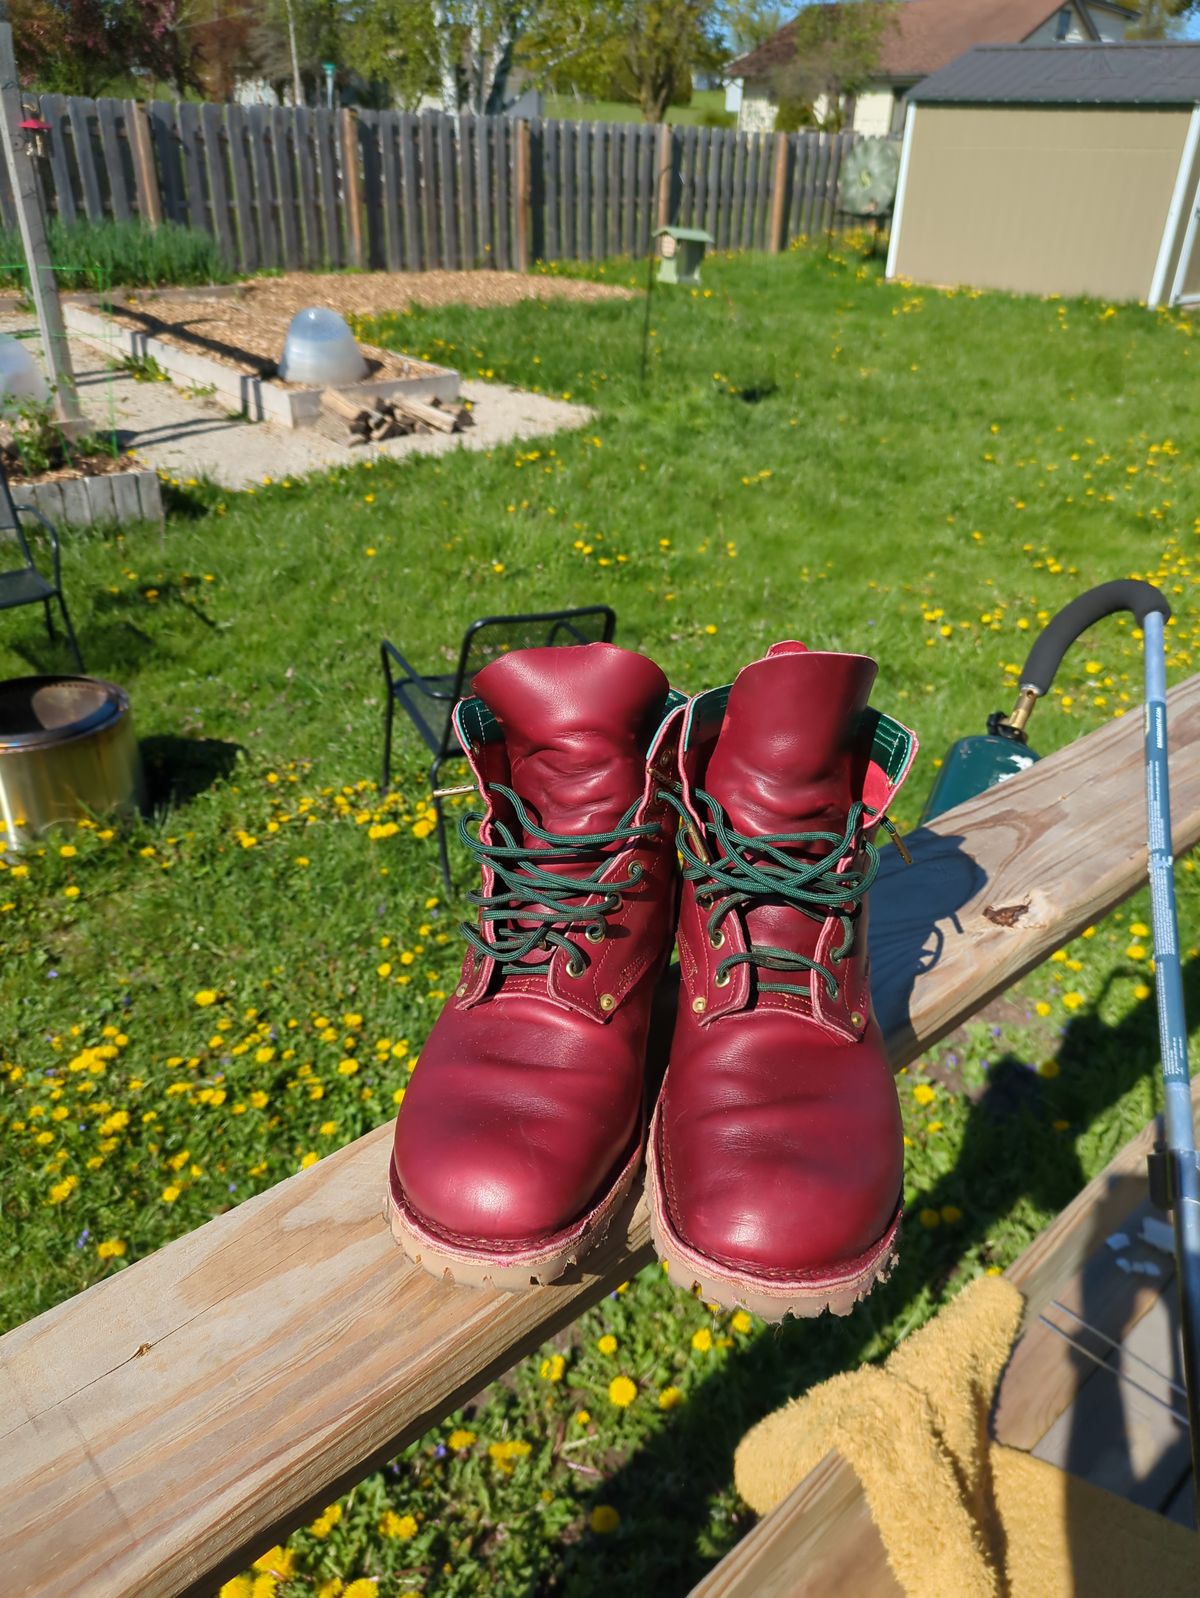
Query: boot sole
(513, 1268)
(770, 1298)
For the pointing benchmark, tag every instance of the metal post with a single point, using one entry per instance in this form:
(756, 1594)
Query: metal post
(1182, 1168)
(42, 284)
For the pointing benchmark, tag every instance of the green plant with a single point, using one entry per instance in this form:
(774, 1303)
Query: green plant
(142, 368)
(99, 255)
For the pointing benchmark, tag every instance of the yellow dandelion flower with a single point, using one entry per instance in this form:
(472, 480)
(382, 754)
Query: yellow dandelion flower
(670, 1397)
(702, 1340)
(622, 1392)
(113, 1249)
(923, 1094)
(607, 1344)
(460, 1438)
(402, 1527)
(205, 997)
(603, 1519)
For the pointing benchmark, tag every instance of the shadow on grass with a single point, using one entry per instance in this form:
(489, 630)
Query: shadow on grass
(179, 769)
(1010, 1153)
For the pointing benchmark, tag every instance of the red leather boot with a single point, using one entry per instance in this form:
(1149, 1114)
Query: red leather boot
(524, 1123)
(776, 1154)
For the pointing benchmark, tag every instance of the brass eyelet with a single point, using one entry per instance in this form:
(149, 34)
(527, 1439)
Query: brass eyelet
(595, 933)
(575, 968)
(607, 1002)
(721, 981)
(716, 940)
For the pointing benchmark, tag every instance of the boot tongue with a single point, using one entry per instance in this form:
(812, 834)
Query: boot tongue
(785, 758)
(577, 722)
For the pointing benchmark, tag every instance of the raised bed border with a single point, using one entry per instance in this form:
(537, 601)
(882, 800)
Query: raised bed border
(120, 497)
(260, 400)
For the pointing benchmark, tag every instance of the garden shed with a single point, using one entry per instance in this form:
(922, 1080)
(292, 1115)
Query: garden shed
(1053, 169)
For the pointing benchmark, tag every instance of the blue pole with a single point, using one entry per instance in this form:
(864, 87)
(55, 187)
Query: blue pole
(1183, 1168)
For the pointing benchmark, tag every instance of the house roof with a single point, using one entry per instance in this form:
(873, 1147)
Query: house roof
(925, 35)
(1073, 74)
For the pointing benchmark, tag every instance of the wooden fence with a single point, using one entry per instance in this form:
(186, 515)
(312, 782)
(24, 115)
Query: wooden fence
(281, 187)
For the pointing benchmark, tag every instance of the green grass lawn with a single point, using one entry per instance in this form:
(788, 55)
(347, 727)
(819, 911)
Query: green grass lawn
(196, 1007)
(704, 103)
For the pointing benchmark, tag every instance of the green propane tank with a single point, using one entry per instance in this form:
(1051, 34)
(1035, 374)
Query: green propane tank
(973, 765)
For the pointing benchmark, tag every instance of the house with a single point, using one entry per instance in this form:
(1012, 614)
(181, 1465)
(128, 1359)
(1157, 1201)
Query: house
(925, 36)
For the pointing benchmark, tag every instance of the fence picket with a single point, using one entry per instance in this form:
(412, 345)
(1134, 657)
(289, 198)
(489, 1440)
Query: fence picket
(325, 144)
(266, 210)
(501, 129)
(446, 193)
(191, 138)
(283, 139)
(411, 258)
(468, 213)
(243, 193)
(218, 183)
(79, 114)
(311, 249)
(115, 164)
(390, 217)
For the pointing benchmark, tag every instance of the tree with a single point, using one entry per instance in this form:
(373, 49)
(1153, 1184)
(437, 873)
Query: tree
(749, 23)
(837, 46)
(221, 34)
(83, 46)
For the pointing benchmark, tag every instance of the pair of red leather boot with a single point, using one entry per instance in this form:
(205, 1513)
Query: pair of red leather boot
(775, 1157)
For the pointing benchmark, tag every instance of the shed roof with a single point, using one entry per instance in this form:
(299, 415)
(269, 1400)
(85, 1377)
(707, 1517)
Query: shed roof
(924, 35)
(1068, 74)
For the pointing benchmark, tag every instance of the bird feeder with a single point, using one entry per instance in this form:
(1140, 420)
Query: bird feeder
(680, 252)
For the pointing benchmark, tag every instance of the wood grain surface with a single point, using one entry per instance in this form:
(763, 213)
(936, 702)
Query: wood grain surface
(165, 1426)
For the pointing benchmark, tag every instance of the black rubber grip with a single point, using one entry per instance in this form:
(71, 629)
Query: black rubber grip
(1074, 619)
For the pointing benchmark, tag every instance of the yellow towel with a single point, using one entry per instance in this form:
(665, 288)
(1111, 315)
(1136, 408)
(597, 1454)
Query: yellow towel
(960, 1516)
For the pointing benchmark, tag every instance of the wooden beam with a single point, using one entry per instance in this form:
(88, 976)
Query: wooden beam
(522, 196)
(168, 1424)
(777, 236)
(662, 177)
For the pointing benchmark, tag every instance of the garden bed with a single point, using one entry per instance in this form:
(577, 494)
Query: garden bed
(229, 345)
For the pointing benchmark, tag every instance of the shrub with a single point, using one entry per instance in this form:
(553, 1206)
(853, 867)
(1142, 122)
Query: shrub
(94, 255)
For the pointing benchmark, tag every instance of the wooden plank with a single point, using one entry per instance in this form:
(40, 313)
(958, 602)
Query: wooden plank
(266, 205)
(585, 137)
(1126, 1430)
(247, 254)
(484, 194)
(107, 112)
(283, 165)
(223, 224)
(711, 213)
(190, 136)
(352, 187)
(521, 196)
(748, 225)
(734, 202)
(54, 111)
(325, 129)
(599, 164)
(447, 198)
(687, 178)
(369, 137)
(177, 1417)
(570, 233)
(80, 113)
(427, 125)
(149, 201)
(551, 189)
(646, 224)
(776, 228)
(799, 146)
(501, 171)
(468, 200)
(537, 188)
(407, 210)
(399, 180)
(312, 250)
(820, 1543)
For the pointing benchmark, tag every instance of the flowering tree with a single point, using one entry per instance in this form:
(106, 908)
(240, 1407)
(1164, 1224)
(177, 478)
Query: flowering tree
(82, 46)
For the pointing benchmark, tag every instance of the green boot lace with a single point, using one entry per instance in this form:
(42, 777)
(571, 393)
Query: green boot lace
(534, 910)
(814, 887)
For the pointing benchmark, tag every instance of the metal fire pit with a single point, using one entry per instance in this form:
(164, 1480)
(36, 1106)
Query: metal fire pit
(67, 750)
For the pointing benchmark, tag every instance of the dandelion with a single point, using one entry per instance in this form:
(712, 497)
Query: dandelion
(1135, 951)
(622, 1392)
(670, 1397)
(460, 1439)
(278, 1562)
(702, 1340)
(951, 1214)
(1073, 1000)
(1042, 1008)
(741, 1322)
(923, 1094)
(1139, 929)
(929, 1218)
(205, 997)
(402, 1527)
(1049, 1069)
(170, 1193)
(582, 1418)
(68, 851)
(551, 1369)
(364, 1587)
(710, 629)
(603, 1519)
(607, 1344)
(113, 1249)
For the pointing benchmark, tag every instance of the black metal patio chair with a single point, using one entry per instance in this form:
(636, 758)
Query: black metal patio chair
(430, 700)
(24, 584)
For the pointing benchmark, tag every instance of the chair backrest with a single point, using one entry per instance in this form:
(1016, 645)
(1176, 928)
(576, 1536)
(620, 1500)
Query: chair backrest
(10, 523)
(492, 636)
